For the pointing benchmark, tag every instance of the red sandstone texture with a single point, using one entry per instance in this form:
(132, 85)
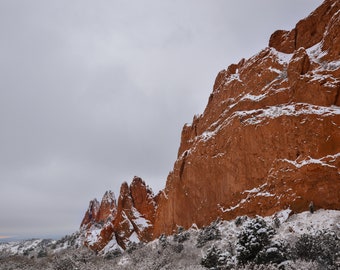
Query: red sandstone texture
(269, 139)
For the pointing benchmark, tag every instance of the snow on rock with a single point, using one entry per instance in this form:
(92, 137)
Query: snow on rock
(92, 236)
(140, 221)
(110, 246)
(255, 117)
(134, 238)
(309, 160)
(254, 97)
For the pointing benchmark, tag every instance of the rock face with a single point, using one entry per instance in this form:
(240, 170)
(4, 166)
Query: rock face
(113, 226)
(269, 139)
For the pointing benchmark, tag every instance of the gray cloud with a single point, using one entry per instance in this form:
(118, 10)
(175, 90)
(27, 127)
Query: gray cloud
(93, 93)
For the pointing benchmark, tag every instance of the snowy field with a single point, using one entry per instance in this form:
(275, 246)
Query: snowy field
(299, 241)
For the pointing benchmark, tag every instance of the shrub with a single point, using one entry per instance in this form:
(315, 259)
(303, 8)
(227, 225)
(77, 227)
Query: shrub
(131, 247)
(277, 222)
(113, 254)
(275, 252)
(181, 235)
(252, 239)
(64, 264)
(211, 258)
(42, 253)
(163, 241)
(323, 247)
(240, 220)
(178, 248)
(208, 233)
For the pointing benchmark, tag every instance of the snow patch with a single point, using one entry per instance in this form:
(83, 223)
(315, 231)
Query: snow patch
(93, 236)
(112, 245)
(310, 160)
(253, 97)
(124, 261)
(140, 221)
(233, 77)
(134, 238)
(283, 58)
(257, 116)
(275, 70)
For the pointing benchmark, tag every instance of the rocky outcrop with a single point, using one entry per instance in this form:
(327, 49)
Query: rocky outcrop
(310, 30)
(269, 139)
(136, 213)
(116, 225)
(90, 214)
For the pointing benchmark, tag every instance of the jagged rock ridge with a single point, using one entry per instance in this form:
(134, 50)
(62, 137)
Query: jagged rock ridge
(111, 225)
(268, 140)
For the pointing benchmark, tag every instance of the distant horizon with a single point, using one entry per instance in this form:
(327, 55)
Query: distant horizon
(7, 239)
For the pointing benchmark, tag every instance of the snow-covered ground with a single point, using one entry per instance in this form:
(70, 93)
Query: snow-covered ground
(189, 249)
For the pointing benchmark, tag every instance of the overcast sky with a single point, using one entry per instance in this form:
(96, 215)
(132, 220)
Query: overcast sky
(95, 92)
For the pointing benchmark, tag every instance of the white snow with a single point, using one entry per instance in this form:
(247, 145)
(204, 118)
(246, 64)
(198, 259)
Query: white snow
(233, 77)
(308, 223)
(141, 222)
(315, 52)
(126, 219)
(124, 261)
(283, 58)
(283, 215)
(253, 97)
(257, 116)
(134, 238)
(310, 160)
(231, 208)
(254, 192)
(93, 236)
(112, 245)
(207, 135)
(275, 70)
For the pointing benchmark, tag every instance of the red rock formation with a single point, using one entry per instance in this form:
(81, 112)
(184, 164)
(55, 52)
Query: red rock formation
(130, 221)
(91, 213)
(268, 139)
(136, 212)
(108, 208)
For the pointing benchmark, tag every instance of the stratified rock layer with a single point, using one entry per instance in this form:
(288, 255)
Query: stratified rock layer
(269, 139)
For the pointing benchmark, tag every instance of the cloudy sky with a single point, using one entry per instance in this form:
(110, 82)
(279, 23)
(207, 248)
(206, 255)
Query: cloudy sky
(95, 92)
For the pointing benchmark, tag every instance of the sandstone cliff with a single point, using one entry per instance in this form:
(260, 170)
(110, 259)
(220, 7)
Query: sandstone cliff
(269, 139)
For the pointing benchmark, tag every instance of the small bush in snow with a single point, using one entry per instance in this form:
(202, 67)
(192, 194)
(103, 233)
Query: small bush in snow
(216, 259)
(208, 233)
(83, 255)
(276, 222)
(298, 265)
(42, 253)
(275, 252)
(240, 220)
(252, 239)
(163, 241)
(323, 247)
(181, 235)
(113, 254)
(64, 264)
(132, 246)
(178, 248)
